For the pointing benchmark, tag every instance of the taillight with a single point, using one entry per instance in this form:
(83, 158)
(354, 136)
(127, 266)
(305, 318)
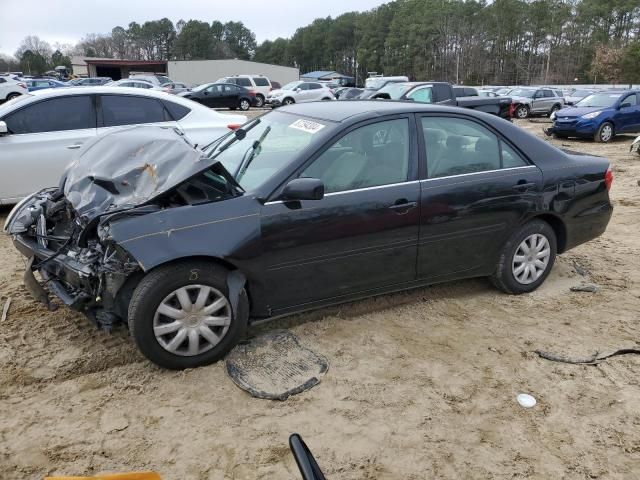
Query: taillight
(233, 126)
(252, 93)
(608, 179)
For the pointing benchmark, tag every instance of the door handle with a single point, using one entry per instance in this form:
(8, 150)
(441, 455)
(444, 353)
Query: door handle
(523, 187)
(74, 147)
(402, 206)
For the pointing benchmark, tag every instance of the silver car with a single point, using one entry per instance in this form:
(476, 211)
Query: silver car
(530, 101)
(41, 132)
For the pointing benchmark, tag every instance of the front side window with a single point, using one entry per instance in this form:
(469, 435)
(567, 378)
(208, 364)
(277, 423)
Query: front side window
(53, 115)
(369, 156)
(129, 110)
(422, 95)
(631, 100)
(456, 146)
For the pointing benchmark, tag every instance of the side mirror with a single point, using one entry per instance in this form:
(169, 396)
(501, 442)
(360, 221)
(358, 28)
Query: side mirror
(4, 130)
(298, 90)
(304, 189)
(307, 465)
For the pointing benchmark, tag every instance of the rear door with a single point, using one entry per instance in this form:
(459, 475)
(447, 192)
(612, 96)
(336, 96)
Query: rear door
(477, 189)
(43, 139)
(122, 111)
(538, 102)
(363, 234)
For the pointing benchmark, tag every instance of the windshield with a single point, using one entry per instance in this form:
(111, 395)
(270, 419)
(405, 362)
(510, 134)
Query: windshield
(199, 88)
(395, 90)
(599, 100)
(291, 85)
(521, 92)
(374, 83)
(581, 93)
(162, 79)
(270, 144)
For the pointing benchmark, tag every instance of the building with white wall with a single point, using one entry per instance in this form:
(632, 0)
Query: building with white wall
(206, 71)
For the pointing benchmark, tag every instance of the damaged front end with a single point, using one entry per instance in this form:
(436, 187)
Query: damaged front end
(77, 261)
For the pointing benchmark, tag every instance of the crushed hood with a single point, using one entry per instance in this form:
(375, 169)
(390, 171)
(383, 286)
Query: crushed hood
(129, 167)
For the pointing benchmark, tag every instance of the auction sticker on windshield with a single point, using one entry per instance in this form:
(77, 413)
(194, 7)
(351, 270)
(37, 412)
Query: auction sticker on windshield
(307, 126)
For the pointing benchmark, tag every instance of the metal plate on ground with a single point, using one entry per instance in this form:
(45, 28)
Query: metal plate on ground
(275, 366)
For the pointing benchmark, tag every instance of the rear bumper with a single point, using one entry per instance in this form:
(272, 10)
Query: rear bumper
(588, 225)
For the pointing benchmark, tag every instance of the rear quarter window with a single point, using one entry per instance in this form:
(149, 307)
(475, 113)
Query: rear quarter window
(261, 81)
(176, 110)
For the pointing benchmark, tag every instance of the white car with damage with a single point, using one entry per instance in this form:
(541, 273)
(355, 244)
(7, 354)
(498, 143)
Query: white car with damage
(41, 132)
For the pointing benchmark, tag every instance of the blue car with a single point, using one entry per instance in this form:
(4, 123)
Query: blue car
(34, 84)
(601, 116)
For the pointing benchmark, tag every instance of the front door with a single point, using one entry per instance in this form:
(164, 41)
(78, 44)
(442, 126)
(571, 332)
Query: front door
(629, 115)
(478, 189)
(43, 139)
(362, 235)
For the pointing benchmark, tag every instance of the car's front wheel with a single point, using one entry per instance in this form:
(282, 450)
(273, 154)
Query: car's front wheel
(181, 316)
(288, 101)
(244, 104)
(11, 96)
(522, 111)
(605, 133)
(526, 258)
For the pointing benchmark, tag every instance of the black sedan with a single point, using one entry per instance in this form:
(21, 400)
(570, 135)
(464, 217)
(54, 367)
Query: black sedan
(222, 95)
(307, 206)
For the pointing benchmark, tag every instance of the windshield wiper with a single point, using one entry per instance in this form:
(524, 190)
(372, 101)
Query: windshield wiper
(238, 134)
(242, 168)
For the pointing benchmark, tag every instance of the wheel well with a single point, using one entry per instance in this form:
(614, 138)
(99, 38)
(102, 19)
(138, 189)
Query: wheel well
(125, 292)
(259, 95)
(559, 229)
(289, 98)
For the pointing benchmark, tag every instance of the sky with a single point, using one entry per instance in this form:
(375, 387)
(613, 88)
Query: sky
(66, 21)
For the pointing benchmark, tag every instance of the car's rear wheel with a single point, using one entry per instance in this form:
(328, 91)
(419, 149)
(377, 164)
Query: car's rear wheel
(259, 101)
(11, 96)
(522, 111)
(181, 316)
(605, 133)
(244, 104)
(288, 101)
(526, 258)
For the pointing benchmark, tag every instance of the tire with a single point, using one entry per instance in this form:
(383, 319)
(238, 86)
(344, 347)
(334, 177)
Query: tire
(288, 101)
(555, 109)
(605, 133)
(522, 112)
(11, 96)
(160, 287)
(259, 101)
(244, 104)
(504, 277)
(325, 99)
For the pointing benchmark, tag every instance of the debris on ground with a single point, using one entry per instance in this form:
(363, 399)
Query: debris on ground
(594, 359)
(587, 287)
(5, 310)
(275, 366)
(525, 400)
(580, 270)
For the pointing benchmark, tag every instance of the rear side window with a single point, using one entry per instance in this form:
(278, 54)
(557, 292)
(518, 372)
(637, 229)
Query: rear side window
(441, 92)
(243, 82)
(314, 86)
(455, 146)
(128, 110)
(548, 93)
(176, 110)
(54, 115)
(261, 81)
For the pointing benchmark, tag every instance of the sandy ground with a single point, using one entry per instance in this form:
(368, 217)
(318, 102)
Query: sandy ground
(421, 384)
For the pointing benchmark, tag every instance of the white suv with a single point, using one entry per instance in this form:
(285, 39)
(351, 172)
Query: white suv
(260, 84)
(10, 88)
(298, 92)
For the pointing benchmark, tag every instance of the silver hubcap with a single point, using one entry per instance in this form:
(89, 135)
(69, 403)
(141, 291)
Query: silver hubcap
(192, 320)
(531, 259)
(244, 105)
(522, 112)
(607, 133)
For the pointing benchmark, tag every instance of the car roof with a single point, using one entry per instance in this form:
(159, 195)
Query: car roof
(343, 111)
